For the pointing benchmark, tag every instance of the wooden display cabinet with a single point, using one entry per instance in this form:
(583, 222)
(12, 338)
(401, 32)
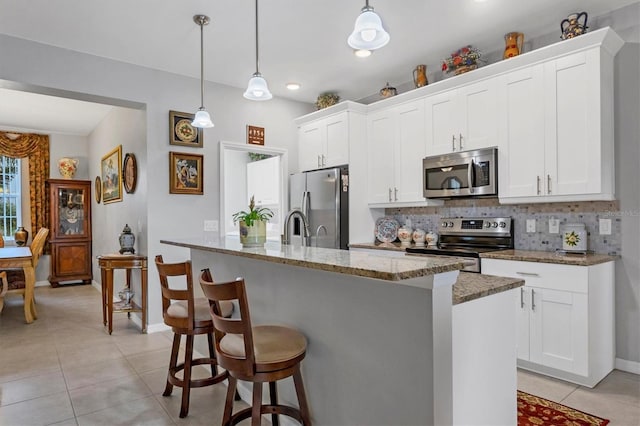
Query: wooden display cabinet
(70, 238)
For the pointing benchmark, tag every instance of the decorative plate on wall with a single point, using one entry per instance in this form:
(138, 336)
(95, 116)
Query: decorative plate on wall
(98, 189)
(129, 172)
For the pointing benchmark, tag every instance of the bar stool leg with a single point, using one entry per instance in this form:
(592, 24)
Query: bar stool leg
(186, 380)
(302, 397)
(212, 355)
(172, 363)
(257, 404)
(228, 404)
(273, 397)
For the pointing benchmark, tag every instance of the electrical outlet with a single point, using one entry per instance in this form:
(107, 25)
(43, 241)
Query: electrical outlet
(605, 226)
(211, 226)
(531, 225)
(554, 226)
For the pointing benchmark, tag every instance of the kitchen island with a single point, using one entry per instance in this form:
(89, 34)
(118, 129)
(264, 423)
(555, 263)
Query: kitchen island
(380, 331)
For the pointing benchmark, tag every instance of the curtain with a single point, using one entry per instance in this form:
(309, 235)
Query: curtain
(36, 148)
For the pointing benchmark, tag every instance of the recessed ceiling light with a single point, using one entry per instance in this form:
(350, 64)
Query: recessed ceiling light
(362, 53)
(293, 86)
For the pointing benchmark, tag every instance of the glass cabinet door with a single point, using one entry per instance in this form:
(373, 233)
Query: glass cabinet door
(71, 212)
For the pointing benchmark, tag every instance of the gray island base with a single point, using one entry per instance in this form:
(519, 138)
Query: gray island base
(386, 346)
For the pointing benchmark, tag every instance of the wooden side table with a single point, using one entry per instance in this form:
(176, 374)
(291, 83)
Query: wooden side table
(108, 263)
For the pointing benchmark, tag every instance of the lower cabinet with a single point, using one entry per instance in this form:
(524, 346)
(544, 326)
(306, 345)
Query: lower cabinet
(565, 318)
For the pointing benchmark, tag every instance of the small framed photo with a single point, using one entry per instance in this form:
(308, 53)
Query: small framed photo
(111, 176)
(181, 132)
(185, 173)
(255, 135)
(129, 172)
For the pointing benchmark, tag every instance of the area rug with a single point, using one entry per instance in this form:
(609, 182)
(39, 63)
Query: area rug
(536, 411)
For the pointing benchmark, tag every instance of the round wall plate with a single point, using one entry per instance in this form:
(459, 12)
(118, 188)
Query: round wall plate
(98, 189)
(129, 172)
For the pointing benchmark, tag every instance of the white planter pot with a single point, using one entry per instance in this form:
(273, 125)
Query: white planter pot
(255, 235)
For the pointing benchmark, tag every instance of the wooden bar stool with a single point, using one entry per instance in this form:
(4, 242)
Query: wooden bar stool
(187, 316)
(258, 354)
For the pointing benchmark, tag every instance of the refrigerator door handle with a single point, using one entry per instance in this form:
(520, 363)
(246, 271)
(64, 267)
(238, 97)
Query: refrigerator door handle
(306, 200)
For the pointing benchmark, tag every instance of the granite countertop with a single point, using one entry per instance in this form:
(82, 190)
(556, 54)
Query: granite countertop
(395, 246)
(333, 260)
(549, 257)
(471, 286)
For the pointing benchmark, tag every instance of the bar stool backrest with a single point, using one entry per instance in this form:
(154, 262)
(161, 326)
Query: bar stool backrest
(166, 270)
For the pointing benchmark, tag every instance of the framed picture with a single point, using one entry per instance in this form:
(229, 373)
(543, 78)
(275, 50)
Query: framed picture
(181, 132)
(255, 135)
(185, 173)
(111, 176)
(98, 189)
(129, 172)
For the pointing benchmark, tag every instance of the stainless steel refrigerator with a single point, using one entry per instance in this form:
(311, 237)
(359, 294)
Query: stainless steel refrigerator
(323, 197)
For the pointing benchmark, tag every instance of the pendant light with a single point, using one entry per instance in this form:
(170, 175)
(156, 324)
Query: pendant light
(368, 33)
(257, 90)
(202, 119)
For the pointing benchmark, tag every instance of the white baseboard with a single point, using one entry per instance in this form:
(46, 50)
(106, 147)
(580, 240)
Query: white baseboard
(44, 283)
(628, 366)
(157, 328)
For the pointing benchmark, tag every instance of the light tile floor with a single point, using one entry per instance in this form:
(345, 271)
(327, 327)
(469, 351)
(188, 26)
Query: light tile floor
(64, 369)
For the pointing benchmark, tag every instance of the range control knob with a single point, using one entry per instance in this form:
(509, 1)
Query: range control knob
(494, 224)
(450, 224)
(443, 224)
(503, 225)
(487, 224)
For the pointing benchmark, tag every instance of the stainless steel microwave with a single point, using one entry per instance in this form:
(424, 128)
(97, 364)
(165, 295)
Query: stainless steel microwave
(461, 174)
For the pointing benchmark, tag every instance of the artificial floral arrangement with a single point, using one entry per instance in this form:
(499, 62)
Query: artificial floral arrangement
(326, 100)
(572, 239)
(254, 214)
(464, 59)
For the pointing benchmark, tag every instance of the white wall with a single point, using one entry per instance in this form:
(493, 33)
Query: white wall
(235, 171)
(69, 146)
(169, 216)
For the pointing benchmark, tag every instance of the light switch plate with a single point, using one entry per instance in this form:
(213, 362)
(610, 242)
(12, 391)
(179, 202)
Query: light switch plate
(211, 226)
(554, 226)
(605, 226)
(531, 225)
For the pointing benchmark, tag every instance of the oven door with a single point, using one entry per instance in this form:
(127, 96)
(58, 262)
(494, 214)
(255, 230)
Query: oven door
(461, 174)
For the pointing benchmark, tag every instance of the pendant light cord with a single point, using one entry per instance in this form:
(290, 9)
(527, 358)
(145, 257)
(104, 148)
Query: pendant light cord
(257, 56)
(201, 63)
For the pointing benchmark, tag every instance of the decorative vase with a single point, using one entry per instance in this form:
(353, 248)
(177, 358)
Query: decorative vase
(418, 237)
(572, 27)
(431, 239)
(388, 91)
(420, 76)
(465, 68)
(127, 239)
(67, 167)
(513, 44)
(254, 235)
(21, 236)
(404, 235)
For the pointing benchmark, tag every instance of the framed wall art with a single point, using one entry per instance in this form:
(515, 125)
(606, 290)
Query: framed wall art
(129, 172)
(185, 173)
(255, 135)
(181, 132)
(111, 176)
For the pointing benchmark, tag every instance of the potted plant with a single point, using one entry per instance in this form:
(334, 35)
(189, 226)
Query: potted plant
(253, 224)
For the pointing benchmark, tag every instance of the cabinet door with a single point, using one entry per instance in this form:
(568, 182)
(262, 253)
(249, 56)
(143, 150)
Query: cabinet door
(310, 138)
(524, 302)
(478, 115)
(410, 149)
(573, 133)
(380, 156)
(71, 261)
(441, 123)
(70, 208)
(336, 151)
(559, 330)
(521, 136)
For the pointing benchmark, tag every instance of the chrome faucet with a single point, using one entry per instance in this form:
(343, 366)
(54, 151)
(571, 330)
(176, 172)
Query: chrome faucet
(306, 235)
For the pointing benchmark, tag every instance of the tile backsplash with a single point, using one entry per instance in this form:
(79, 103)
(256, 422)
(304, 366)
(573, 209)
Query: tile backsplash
(588, 212)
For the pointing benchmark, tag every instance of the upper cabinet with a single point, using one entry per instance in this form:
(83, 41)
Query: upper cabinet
(324, 137)
(556, 133)
(462, 119)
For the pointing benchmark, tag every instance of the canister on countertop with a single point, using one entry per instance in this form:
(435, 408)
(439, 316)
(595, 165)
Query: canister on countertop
(574, 238)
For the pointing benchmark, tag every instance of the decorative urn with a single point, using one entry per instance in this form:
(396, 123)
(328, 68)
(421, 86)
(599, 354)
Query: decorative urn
(21, 236)
(405, 234)
(419, 237)
(127, 239)
(432, 239)
(67, 167)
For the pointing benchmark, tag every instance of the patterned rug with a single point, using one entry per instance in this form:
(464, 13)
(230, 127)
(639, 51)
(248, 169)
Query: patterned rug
(536, 411)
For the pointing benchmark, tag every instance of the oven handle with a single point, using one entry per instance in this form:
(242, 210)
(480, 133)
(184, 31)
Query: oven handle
(470, 176)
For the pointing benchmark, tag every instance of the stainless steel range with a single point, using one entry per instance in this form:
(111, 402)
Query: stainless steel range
(468, 237)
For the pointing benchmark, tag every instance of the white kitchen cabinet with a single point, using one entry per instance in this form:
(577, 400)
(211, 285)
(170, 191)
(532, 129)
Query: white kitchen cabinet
(324, 143)
(396, 147)
(462, 119)
(565, 318)
(556, 133)
(263, 181)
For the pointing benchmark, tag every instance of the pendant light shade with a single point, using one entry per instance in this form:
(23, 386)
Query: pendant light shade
(202, 119)
(368, 33)
(257, 90)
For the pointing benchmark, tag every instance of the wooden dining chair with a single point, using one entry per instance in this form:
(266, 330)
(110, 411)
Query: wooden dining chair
(257, 354)
(16, 282)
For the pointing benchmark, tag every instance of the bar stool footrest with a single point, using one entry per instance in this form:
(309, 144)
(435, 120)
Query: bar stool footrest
(266, 409)
(196, 383)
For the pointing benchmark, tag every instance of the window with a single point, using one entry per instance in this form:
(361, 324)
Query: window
(10, 196)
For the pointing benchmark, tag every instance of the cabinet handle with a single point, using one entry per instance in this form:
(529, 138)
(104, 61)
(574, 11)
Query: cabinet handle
(453, 142)
(319, 164)
(460, 142)
(538, 183)
(533, 300)
(395, 194)
(521, 297)
(548, 184)
(528, 274)
(390, 194)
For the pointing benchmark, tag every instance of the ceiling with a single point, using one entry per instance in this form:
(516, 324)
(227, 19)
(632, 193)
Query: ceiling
(301, 41)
